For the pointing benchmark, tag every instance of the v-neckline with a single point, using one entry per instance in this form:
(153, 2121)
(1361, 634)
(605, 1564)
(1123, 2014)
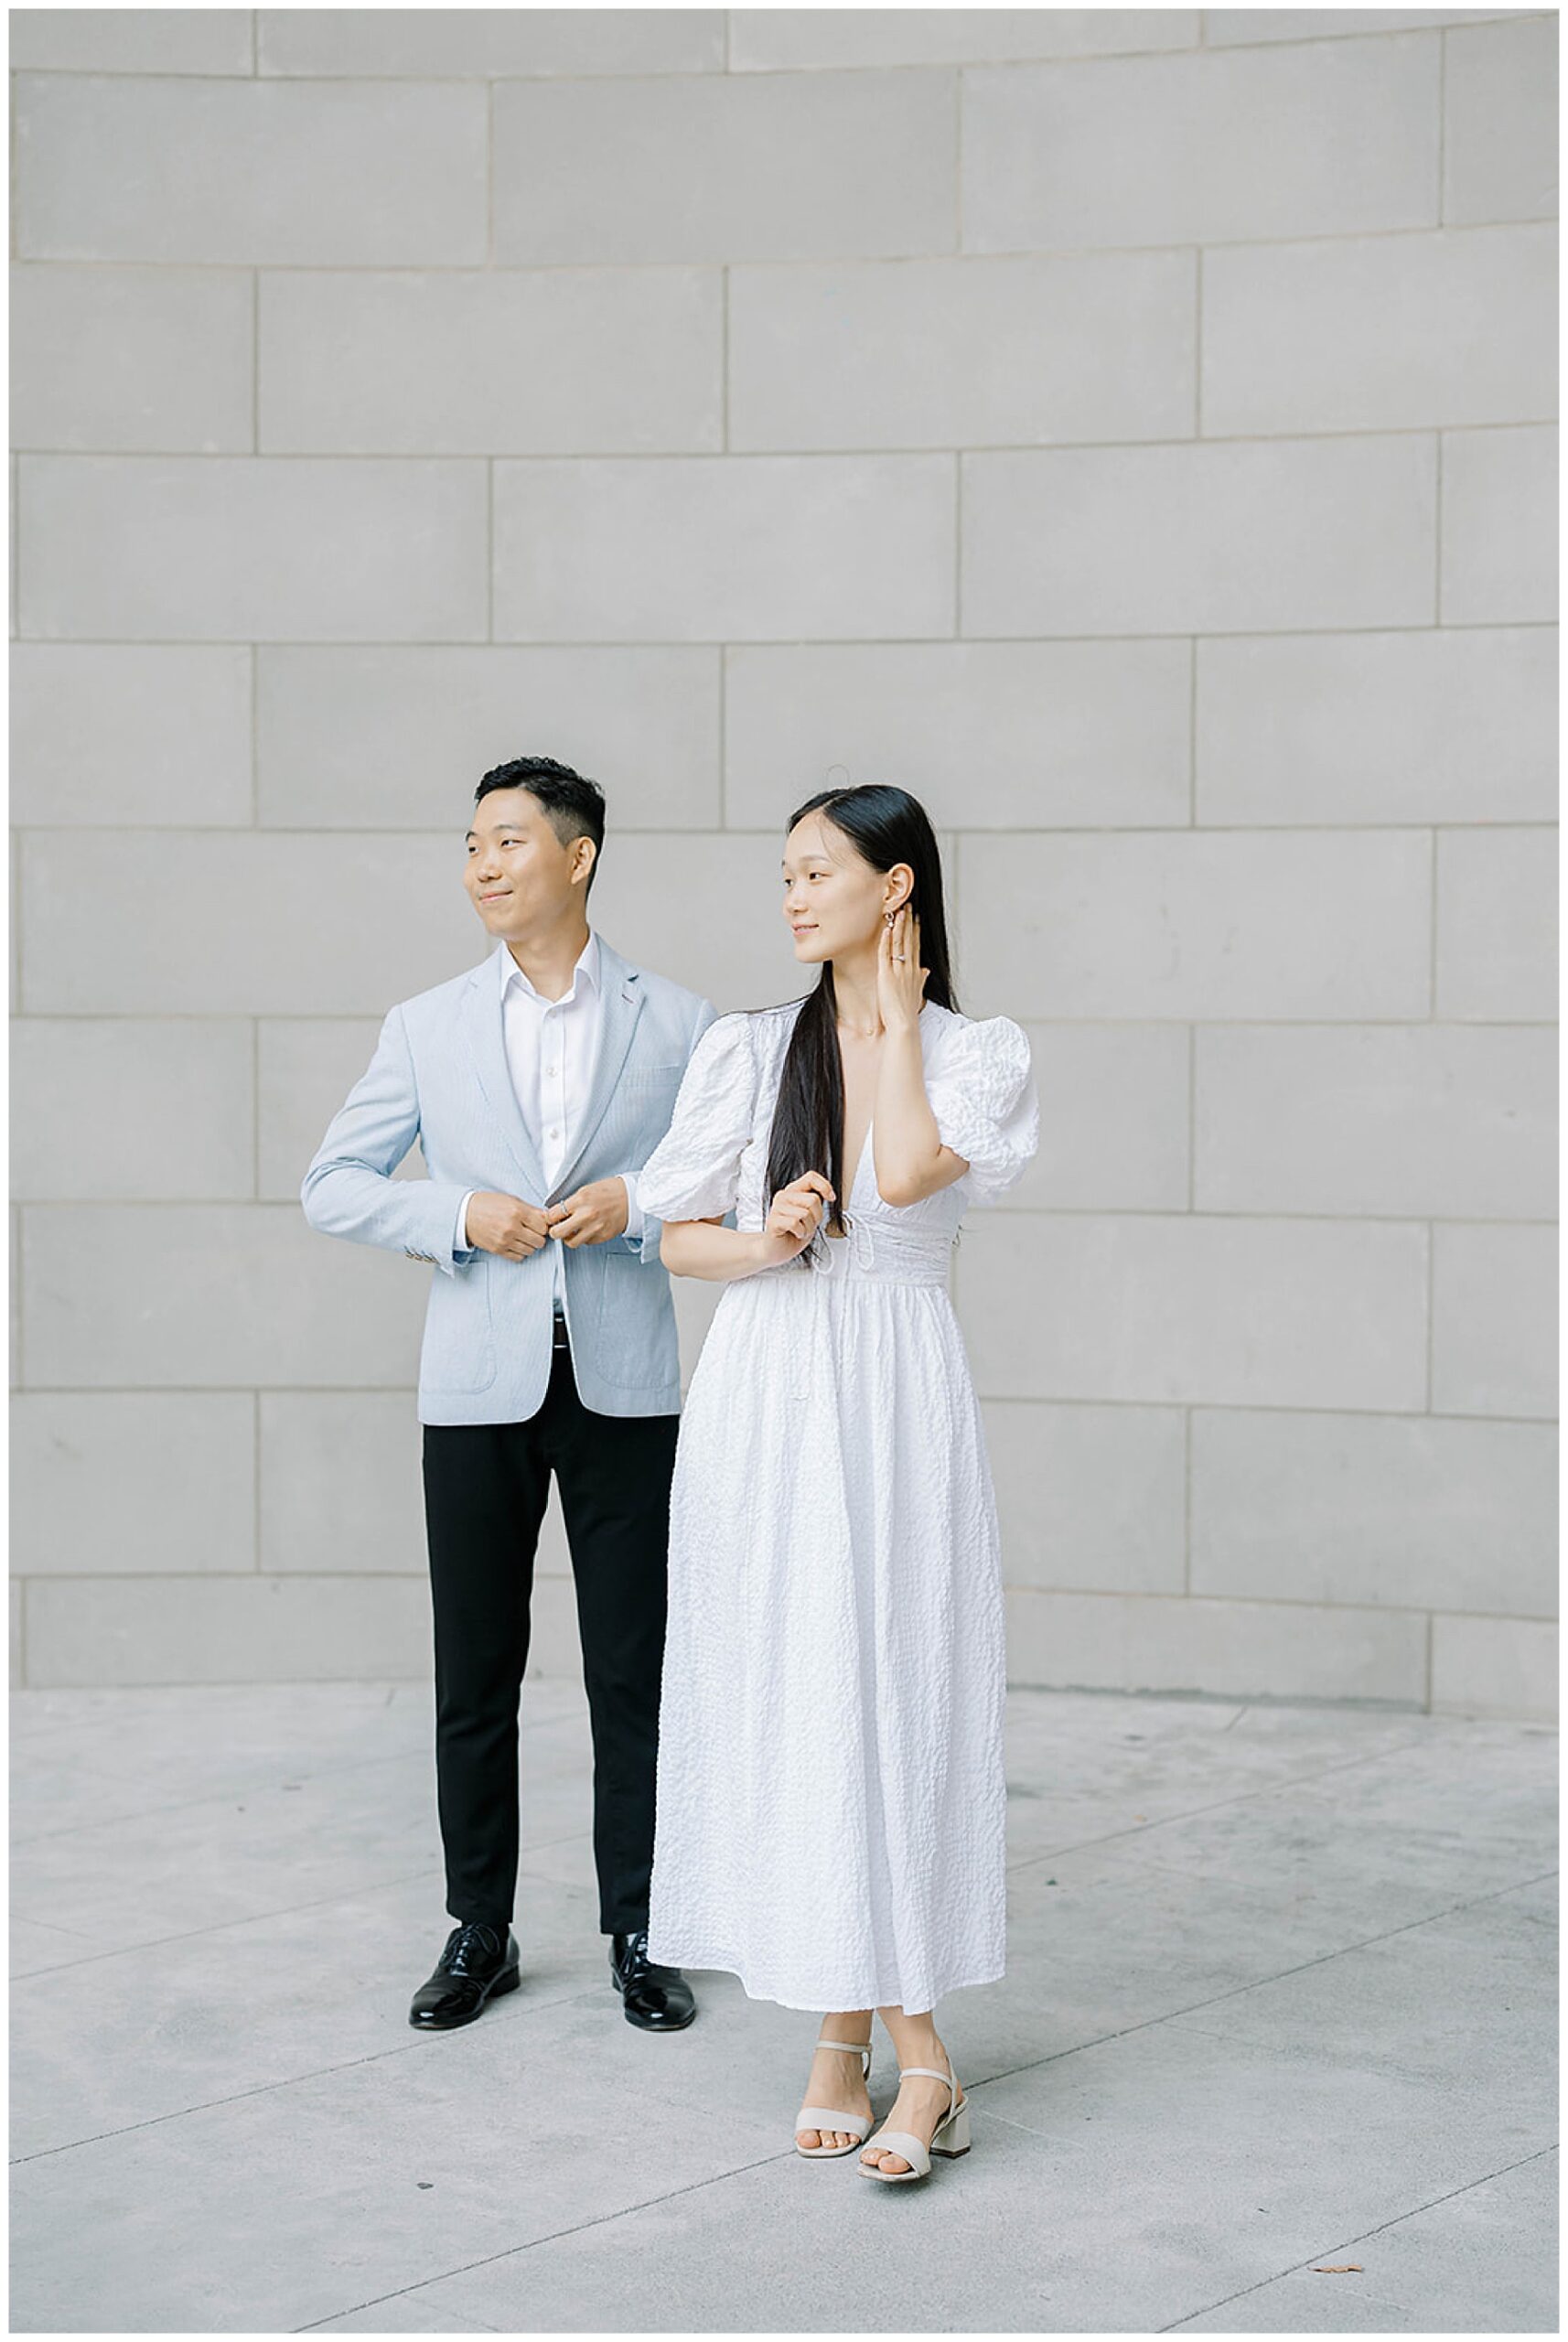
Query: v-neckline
(865, 1142)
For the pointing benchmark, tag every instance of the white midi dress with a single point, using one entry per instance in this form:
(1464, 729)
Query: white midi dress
(831, 1815)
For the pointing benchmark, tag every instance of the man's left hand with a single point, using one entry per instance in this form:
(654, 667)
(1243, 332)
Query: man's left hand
(590, 1215)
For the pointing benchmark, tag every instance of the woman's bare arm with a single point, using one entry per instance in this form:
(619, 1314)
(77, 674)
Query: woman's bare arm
(907, 1148)
(706, 1248)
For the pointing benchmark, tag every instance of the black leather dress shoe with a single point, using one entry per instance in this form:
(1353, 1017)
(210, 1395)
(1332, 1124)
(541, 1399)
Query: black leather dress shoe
(659, 1999)
(476, 1964)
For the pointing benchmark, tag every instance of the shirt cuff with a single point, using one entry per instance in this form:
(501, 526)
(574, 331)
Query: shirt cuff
(634, 1215)
(460, 1234)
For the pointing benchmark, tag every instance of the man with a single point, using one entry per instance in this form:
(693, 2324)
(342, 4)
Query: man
(538, 1084)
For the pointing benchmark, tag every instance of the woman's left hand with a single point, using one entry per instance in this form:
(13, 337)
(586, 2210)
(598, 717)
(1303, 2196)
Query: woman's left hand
(900, 979)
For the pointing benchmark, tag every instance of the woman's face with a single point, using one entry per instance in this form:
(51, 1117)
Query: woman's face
(833, 900)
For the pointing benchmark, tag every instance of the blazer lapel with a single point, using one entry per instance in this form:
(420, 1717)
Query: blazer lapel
(485, 1037)
(620, 1004)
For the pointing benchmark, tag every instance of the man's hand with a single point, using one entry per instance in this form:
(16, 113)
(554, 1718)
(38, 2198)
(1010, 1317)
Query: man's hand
(590, 1215)
(505, 1224)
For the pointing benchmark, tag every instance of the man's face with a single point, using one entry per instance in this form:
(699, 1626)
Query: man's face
(519, 875)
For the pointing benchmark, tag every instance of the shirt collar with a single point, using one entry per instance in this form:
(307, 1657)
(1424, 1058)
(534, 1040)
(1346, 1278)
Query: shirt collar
(587, 969)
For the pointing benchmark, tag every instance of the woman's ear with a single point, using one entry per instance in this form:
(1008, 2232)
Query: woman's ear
(900, 887)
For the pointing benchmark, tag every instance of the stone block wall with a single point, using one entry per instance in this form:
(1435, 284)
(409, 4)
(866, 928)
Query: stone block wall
(1133, 430)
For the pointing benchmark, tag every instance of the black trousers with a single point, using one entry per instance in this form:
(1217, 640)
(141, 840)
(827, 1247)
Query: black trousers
(485, 1486)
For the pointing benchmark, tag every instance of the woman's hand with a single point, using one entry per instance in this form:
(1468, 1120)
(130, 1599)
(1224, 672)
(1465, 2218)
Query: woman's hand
(795, 1215)
(900, 979)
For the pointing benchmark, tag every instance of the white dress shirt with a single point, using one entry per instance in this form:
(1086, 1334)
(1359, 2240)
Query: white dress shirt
(551, 1050)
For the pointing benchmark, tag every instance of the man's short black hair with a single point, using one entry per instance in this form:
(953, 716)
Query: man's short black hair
(576, 807)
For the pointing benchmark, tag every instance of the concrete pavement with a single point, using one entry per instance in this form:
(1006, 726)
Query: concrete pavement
(1281, 1998)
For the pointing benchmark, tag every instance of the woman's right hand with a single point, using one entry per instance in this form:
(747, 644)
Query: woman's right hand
(795, 1215)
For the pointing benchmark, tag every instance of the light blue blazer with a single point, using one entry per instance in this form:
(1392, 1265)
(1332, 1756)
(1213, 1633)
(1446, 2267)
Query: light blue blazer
(440, 1075)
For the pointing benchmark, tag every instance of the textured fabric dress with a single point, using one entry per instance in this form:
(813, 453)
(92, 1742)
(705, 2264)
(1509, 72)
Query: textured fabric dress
(830, 1812)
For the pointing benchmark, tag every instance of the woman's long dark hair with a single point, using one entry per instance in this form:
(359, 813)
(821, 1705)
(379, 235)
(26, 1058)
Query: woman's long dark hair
(884, 825)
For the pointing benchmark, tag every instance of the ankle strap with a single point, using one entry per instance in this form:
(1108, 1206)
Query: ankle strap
(856, 2048)
(948, 2077)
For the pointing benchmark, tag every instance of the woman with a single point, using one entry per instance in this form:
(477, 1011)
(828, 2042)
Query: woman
(830, 1798)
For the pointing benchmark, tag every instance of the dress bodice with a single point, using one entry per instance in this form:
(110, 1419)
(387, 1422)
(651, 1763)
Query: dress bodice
(713, 1157)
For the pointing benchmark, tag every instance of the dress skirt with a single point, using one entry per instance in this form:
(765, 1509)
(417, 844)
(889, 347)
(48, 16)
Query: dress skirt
(831, 1800)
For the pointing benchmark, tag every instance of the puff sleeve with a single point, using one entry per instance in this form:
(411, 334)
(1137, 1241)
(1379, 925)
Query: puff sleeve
(987, 1109)
(693, 1172)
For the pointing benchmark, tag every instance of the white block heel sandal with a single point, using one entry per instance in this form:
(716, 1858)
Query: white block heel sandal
(949, 2138)
(833, 2118)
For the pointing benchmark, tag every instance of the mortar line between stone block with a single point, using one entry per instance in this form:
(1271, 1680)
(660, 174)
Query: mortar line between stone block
(1197, 342)
(958, 544)
(1187, 1501)
(1431, 1299)
(489, 174)
(1145, 1594)
(14, 169)
(1431, 1637)
(724, 735)
(960, 93)
(349, 643)
(1439, 206)
(257, 1481)
(956, 857)
(1437, 531)
(1192, 733)
(989, 1399)
(1063, 63)
(1192, 1116)
(762, 260)
(18, 839)
(883, 453)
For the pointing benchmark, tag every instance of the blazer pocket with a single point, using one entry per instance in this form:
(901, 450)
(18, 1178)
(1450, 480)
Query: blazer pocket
(459, 1352)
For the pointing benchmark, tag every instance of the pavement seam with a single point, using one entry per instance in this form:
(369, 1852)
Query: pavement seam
(260, 1918)
(1174, 2016)
(250, 1789)
(512, 2252)
(1168, 2016)
(1054, 1853)
(1268, 1788)
(285, 2081)
(1299, 2268)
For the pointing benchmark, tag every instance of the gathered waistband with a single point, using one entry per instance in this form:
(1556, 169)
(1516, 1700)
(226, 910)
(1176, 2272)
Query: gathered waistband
(881, 1252)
